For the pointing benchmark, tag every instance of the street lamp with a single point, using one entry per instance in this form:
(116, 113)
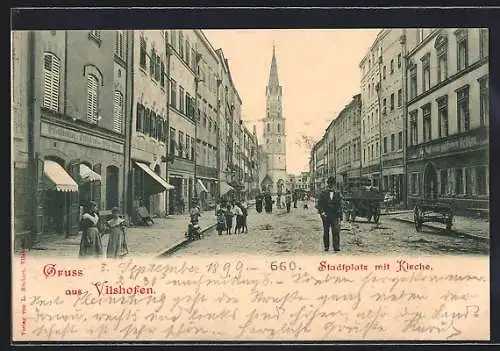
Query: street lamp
(378, 88)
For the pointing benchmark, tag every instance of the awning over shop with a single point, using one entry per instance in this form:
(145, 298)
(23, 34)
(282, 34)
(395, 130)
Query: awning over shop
(154, 176)
(225, 188)
(88, 175)
(202, 186)
(57, 177)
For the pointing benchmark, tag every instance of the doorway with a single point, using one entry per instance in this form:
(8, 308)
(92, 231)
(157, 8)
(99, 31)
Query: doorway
(430, 182)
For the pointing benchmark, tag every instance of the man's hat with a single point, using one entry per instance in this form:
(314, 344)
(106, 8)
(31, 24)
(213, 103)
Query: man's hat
(115, 210)
(331, 180)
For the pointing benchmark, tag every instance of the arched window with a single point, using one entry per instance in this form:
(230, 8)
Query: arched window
(51, 71)
(279, 128)
(92, 98)
(118, 112)
(268, 127)
(112, 182)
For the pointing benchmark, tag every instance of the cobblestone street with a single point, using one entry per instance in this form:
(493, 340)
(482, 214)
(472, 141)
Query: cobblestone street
(300, 232)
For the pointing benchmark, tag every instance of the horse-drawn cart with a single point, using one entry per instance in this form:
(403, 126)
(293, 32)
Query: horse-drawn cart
(363, 202)
(433, 211)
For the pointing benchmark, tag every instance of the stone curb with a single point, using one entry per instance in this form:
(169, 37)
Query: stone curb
(170, 250)
(183, 242)
(456, 232)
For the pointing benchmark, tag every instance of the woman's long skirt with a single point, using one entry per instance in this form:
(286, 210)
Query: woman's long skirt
(117, 246)
(91, 243)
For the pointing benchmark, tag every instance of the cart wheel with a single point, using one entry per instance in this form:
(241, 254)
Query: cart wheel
(369, 217)
(416, 218)
(376, 216)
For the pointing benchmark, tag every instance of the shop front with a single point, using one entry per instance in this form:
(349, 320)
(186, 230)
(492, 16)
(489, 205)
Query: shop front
(78, 166)
(454, 170)
(149, 187)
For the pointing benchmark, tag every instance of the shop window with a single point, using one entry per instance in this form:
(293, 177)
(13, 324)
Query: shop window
(51, 77)
(482, 180)
(459, 181)
(112, 186)
(443, 182)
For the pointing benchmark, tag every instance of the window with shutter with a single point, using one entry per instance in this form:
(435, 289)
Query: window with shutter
(158, 72)
(152, 62)
(119, 44)
(152, 129)
(139, 122)
(118, 112)
(51, 81)
(92, 98)
(142, 55)
(162, 74)
(147, 121)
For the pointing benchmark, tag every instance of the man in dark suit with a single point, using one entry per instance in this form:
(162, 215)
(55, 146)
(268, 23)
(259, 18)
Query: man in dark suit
(330, 208)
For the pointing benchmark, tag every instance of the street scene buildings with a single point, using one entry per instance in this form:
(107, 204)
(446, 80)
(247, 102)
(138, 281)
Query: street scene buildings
(424, 111)
(154, 126)
(127, 119)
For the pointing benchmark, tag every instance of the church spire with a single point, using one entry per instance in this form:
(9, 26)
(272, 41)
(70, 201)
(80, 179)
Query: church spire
(273, 73)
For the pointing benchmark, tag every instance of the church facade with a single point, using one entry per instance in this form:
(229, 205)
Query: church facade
(272, 175)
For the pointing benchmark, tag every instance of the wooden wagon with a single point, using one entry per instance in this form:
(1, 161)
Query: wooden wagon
(433, 211)
(363, 202)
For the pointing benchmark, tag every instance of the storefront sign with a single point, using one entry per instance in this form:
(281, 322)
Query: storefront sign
(72, 136)
(462, 143)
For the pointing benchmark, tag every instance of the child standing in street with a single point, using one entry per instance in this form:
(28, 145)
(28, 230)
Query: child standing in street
(221, 220)
(229, 219)
(238, 213)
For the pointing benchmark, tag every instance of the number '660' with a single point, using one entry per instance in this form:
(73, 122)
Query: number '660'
(283, 266)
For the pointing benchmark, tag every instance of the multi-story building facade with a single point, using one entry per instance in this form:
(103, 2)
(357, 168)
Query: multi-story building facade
(273, 170)
(149, 124)
(382, 111)
(448, 116)
(320, 162)
(330, 163)
(229, 116)
(250, 162)
(81, 86)
(23, 164)
(303, 181)
(348, 141)
(183, 113)
(207, 173)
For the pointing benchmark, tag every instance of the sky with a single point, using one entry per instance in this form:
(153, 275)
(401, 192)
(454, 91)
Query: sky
(318, 70)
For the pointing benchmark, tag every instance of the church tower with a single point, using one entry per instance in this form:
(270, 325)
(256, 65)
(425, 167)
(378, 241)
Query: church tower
(273, 171)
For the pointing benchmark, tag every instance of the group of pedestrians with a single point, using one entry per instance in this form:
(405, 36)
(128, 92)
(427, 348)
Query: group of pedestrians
(226, 212)
(265, 200)
(94, 229)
